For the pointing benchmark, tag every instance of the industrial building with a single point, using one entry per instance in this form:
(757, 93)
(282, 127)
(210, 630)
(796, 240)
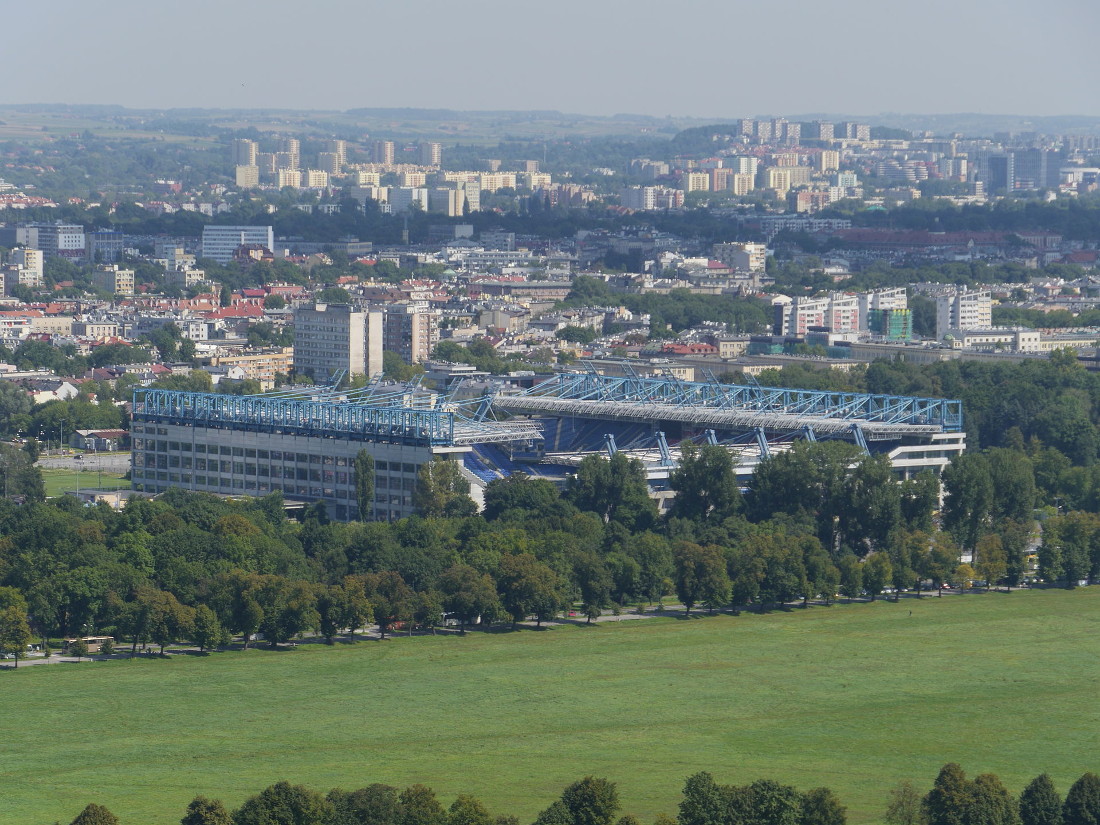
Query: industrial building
(303, 444)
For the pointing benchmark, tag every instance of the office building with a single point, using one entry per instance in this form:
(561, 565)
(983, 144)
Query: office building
(220, 242)
(334, 338)
(105, 246)
(56, 240)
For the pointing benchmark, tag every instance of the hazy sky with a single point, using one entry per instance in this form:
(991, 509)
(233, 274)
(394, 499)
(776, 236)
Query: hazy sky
(717, 58)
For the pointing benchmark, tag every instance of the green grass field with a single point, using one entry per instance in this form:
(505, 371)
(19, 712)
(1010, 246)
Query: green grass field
(856, 697)
(59, 482)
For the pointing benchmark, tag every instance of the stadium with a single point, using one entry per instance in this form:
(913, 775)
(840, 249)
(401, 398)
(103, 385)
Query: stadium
(303, 443)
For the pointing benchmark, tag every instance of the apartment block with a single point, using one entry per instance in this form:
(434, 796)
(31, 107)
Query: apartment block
(334, 338)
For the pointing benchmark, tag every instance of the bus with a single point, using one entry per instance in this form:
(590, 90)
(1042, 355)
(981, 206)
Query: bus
(94, 643)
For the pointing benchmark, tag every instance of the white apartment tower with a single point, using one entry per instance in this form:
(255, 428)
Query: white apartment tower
(962, 309)
(330, 338)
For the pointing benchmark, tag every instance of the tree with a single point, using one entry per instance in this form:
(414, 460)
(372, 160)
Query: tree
(705, 484)
(373, 805)
(331, 610)
(468, 810)
(968, 486)
(949, 799)
(990, 559)
(700, 575)
(527, 586)
(877, 573)
(420, 807)
(441, 491)
(905, 805)
(15, 632)
(1040, 803)
(820, 806)
(78, 648)
(594, 581)
(774, 804)
(206, 630)
(990, 802)
(592, 801)
(1082, 805)
(614, 489)
(364, 484)
(467, 594)
(283, 804)
(851, 576)
(95, 815)
(703, 801)
(203, 811)
(556, 814)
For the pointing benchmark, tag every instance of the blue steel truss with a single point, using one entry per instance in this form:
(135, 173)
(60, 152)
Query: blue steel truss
(942, 414)
(296, 416)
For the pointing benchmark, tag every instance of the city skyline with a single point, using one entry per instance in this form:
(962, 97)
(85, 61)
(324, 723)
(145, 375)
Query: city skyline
(697, 60)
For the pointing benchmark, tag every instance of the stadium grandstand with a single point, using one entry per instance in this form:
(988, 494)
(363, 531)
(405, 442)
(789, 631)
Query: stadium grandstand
(303, 443)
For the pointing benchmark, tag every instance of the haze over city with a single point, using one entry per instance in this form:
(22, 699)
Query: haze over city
(704, 59)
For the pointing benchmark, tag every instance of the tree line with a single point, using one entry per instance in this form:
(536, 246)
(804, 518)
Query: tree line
(953, 799)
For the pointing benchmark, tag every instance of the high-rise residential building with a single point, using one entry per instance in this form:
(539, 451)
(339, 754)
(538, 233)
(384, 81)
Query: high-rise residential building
(412, 179)
(244, 152)
(828, 161)
(266, 162)
(763, 129)
(315, 179)
(286, 160)
(27, 258)
(744, 257)
(431, 154)
(742, 164)
(411, 330)
(792, 134)
(959, 309)
(850, 130)
(446, 201)
(403, 198)
(892, 298)
(329, 162)
(290, 177)
(220, 242)
(383, 152)
(247, 177)
(338, 148)
(293, 148)
(695, 182)
(114, 280)
(15, 276)
(334, 338)
(823, 130)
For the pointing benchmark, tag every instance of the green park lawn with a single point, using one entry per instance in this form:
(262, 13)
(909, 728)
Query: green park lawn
(855, 697)
(59, 482)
